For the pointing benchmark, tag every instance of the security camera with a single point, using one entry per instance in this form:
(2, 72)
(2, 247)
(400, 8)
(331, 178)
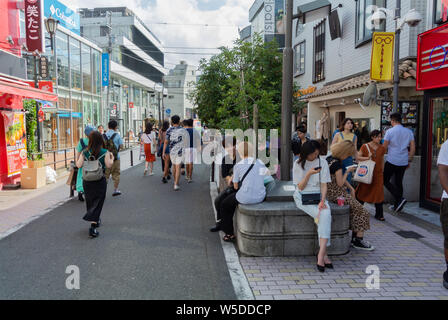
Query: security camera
(378, 17)
(357, 100)
(413, 18)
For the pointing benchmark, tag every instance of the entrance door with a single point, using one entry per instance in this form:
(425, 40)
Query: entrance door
(437, 135)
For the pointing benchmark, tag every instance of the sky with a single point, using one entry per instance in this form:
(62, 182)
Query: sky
(180, 14)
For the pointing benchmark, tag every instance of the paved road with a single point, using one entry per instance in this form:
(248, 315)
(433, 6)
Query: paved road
(154, 244)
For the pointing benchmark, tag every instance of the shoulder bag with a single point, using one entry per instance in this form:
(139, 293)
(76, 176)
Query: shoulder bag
(364, 172)
(312, 198)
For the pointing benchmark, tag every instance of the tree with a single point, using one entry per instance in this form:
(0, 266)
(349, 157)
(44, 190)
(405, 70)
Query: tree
(232, 81)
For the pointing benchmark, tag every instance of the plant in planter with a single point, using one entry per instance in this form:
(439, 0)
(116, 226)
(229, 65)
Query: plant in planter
(35, 159)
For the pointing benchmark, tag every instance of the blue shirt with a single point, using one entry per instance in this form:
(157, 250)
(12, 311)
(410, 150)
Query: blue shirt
(399, 139)
(117, 140)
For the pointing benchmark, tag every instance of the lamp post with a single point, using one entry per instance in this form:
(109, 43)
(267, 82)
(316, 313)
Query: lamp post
(412, 19)
(51, 25)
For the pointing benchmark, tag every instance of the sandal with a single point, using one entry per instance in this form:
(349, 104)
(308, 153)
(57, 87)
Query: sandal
(380, 218)
(228, 238)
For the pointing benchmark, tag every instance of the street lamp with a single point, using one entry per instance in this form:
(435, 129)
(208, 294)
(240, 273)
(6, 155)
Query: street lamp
(412, 19)
(51, 25)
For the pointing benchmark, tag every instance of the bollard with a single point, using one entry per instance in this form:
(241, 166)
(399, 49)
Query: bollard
(132, 158)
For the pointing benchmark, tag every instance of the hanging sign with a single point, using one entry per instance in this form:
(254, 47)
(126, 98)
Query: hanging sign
(15, 135)
(34, 25)
(382, 61)
(105, 69)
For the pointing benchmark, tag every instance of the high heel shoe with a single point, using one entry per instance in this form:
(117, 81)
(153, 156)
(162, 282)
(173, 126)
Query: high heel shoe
(329, 266)
(320, 268)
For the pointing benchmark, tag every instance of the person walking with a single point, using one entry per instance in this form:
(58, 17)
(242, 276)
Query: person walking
(442, 164)
(310, 176)
(397, 140)
(346, 133)
(359, 216)
(299, 139)
(148, 140)
(191, 152)
(176, 136)
(82, 144)
(374, 192)
(95, 187)
(248, 181)
(166, 163)
(101, 129)
(113, 142)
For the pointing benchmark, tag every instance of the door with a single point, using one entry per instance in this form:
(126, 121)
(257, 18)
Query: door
(437, 135)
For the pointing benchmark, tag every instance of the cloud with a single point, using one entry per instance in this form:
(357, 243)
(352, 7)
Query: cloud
(185, 12)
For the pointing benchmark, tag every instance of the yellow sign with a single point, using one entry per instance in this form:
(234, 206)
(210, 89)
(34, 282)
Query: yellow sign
(381, 66)
(303, 92)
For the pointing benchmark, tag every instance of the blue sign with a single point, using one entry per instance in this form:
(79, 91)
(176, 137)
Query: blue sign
(168, 111)
(67, 17)
(67, 115)
(105, 69)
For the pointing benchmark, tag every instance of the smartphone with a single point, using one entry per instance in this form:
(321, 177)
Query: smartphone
(317, 168)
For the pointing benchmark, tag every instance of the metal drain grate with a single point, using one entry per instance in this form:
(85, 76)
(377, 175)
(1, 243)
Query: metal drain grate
(409, 234)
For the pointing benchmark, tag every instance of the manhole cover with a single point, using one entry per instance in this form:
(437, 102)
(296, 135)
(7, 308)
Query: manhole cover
(409, 234)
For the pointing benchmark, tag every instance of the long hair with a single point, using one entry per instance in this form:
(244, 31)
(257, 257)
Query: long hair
(307, 148)
(148, 127)
(96, 143)
(165, 125)
(344, 122)
(342, 150)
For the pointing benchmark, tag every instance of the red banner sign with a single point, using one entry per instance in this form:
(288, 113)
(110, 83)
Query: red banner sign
(43, 85)
(131, 105)
(34, 25)
(432, 60)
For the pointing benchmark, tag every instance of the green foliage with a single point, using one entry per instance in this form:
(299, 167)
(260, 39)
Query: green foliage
(232, 81)
(31, 127)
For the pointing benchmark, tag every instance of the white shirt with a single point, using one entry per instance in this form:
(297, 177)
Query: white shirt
(253, 190)
(148, 138)
(313, 186)
(399, 139)
(443, 160)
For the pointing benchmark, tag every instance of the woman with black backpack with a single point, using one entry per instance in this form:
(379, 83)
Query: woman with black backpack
(94, 160)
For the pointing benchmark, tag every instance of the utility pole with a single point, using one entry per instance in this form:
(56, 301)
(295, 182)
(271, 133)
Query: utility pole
(255, 123)
(109, 50)
(36, 85)
(397, 56)
(285, 164)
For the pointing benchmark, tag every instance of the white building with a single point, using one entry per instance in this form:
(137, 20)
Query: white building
(179, 83)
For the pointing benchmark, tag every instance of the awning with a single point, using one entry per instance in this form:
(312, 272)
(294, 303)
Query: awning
(27, 92)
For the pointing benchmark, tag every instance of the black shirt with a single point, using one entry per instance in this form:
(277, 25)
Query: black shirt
(334, 164)
(296, 145)
(227, 166)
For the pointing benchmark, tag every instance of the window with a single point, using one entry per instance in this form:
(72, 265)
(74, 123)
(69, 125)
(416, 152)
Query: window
(104, 30)
(364, 27)
(300, 26)
(440, 11)
(319, 52)
(299, 59)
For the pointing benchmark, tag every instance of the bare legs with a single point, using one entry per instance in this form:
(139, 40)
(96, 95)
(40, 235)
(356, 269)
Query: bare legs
(322, 257)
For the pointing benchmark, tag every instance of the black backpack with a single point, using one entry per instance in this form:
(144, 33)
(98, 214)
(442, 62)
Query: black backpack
(110, 145)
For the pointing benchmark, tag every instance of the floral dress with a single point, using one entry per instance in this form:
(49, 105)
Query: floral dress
(359, 216)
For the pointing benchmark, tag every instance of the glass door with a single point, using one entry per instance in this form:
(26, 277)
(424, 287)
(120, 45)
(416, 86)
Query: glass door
(438, 134)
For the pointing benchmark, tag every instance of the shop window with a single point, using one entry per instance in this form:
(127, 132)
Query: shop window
(65, 137)
(62, 57)
(364, 26)
(319, 52)
(86, 68)
(440, 11)
(50, 131)
(96, 63)
(299, 59)
(75, 64)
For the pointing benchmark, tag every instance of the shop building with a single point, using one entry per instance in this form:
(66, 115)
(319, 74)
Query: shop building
(137, 64)
(266, 18)
(179, 83)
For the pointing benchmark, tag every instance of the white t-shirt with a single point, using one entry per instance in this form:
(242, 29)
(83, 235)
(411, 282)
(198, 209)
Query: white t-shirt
(253, 190)
(313, 183)
(148, 138)
(443, 160)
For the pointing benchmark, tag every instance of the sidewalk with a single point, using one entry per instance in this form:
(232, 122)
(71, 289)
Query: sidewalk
(20, 207)
(411, 265)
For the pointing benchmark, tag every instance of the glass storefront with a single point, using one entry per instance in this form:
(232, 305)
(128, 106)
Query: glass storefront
(438, 134)
(62, 58)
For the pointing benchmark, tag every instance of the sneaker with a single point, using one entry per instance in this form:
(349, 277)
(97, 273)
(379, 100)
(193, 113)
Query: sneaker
(445, 279)
(80, 196)
(145, 172)
(176, 187)
(391, 208)
(151, 173)
(169, 177)
(164, 180)
(116, 193)
(362, 245)
(401, 205)
(216, 228)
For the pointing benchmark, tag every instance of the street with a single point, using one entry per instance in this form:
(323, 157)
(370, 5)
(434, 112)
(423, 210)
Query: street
(154, 243)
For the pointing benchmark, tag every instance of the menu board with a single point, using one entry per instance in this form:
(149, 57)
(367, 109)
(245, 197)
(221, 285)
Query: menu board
(15, 136)
(409, 114)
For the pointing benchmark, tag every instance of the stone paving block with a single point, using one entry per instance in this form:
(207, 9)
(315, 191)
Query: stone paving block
(443, 297)
(264, 297)
(345, 281)
(370, 295)
(306, 282)
(286, 282)
(284, 287)
(327, 295)
(305, 296)
(284, 297)
(339, 285)
(256, 292)
(307, 291)
(293, 278)
(252, 271)
(391, 294)
(357, 285)
(270, 292)
(259, 287)
(348, 295)
(411, 294)
(297, 291)
(251, 279)
(357, 290)
(342, 299)
(417, 284)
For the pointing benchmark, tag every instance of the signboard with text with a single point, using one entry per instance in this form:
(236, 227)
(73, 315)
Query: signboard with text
(15, 135)
(34, 25)
(382, 60)
(105, 69)
(432, 59)
(67, 17)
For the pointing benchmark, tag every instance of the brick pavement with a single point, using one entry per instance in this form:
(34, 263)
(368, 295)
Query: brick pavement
(410, 269)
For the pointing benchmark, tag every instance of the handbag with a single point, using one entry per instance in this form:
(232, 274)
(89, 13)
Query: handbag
(153, 145)
(364, 172)
(312, 198)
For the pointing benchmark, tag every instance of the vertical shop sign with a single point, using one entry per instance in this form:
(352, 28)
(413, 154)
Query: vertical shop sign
(105, 69)
(269, 17)
(382, 63)
(15, 136)
(34, 25)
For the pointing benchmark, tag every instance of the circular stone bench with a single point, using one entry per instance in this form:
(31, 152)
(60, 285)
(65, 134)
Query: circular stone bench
(271, 229)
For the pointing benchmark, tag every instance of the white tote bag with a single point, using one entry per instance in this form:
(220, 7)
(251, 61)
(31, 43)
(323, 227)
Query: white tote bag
(364, 172)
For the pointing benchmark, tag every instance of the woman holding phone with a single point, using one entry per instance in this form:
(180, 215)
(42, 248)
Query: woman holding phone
(310, 176)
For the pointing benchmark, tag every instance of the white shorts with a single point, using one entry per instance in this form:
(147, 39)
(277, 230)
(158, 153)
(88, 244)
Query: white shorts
(190, 155)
